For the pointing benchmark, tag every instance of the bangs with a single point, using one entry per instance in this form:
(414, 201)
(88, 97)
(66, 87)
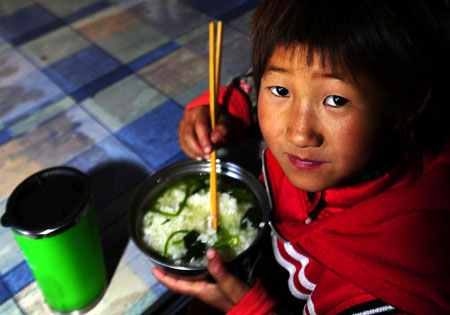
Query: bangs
(359, 38)
(397, 46)
(312, 24)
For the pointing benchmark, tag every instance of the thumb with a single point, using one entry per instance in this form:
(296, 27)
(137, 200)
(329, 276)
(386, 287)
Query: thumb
(230, 285)
(218, 133)
(221, 128)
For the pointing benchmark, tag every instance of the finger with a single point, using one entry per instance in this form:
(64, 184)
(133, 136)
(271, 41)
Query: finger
(202, 132)
(179, 285)
(218, 133)
(221, 129)
(233, 287)
(188, 141)
(202, 290)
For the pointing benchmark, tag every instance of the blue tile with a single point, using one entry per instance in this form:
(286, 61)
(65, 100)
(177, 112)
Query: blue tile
(238, 10)
(37, 32)
(112, 169)
(5, 136)
(111, 153)
(131, 252)
(10, 253)
(38, 22)
(154, 136)
(78, 70)
(219, 8)
(100, 83)
(159, 289)
(180, 156)
(4, 292)
(18, 278)
(87, 11)
(152, 56)
(173, 19)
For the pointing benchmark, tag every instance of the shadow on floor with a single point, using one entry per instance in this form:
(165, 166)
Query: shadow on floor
(113, 185)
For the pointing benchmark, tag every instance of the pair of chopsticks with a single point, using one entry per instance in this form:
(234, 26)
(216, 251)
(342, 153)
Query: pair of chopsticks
(215, 55)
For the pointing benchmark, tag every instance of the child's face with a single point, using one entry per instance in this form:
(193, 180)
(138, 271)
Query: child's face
(320, 126)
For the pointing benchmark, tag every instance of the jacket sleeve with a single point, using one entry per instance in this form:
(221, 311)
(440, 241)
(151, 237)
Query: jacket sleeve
(255, 302)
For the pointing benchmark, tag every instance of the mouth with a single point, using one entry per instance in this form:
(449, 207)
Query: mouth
(304, 164)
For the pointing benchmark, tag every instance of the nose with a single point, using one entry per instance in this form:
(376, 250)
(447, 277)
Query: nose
(303, 128)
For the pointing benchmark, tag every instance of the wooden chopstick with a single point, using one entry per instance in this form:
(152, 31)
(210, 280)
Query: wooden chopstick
(218, 57)
(215, 55)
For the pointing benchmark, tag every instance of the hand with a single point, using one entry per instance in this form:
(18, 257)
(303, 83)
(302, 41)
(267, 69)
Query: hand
(194, 131)
(223, 295)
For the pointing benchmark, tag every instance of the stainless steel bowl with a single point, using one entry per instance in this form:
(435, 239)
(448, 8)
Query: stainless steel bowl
(158, 181)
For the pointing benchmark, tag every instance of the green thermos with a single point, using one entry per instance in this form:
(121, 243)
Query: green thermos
(53, 220)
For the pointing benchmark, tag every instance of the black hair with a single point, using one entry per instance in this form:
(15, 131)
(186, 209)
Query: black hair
(398, 45)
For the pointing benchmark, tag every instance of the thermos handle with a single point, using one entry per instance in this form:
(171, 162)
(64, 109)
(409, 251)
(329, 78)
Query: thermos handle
(5, 222)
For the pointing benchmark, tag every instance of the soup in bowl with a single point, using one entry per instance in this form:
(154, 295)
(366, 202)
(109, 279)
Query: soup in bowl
(170, 220)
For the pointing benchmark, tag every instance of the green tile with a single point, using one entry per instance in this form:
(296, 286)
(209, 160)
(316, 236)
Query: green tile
(4, 46)
(54, 46)
(123, 102)
(31, 301)
(9, 307)
(2, 208)
(195, 90)
(11, 6)
(132, 42)
(142, 305)
(40, 116)
(235, 50)
(193, 34)
(63, 7)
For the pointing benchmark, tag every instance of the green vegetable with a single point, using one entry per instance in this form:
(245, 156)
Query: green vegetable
(186, 241)
(227, 242)
(166, 245)
(225, 239)
(241, 194)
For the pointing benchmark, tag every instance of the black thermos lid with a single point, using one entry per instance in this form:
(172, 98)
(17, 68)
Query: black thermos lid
(47, 202)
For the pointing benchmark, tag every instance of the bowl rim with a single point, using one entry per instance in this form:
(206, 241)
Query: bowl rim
(175, 171)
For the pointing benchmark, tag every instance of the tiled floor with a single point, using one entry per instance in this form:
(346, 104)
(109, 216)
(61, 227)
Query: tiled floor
(101, 85)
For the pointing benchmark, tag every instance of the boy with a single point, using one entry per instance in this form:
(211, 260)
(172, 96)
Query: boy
(352, 107)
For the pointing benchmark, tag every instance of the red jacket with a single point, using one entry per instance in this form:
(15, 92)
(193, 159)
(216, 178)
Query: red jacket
(386, 239)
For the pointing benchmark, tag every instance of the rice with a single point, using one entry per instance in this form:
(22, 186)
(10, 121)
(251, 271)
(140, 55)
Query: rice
(158, 228)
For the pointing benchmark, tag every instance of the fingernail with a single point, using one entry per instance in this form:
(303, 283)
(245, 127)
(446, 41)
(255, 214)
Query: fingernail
(210, 253)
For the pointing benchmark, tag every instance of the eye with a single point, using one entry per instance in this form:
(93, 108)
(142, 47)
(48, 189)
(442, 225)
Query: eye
(335, 101)
(279, 91)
